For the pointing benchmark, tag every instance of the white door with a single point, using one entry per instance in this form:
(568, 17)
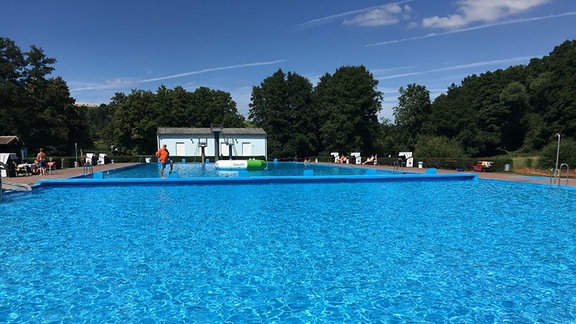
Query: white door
(180, 149)
(224, 149)
(246, 149)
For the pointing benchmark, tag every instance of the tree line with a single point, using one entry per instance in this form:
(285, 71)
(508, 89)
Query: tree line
(518, 109)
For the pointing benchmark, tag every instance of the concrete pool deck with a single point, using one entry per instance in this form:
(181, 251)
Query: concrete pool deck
(73, 172)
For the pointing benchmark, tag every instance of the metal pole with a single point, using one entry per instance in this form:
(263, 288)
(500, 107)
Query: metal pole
(557, 153)
(216, 129)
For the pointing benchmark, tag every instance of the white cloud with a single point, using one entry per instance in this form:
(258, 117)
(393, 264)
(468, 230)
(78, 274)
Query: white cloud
(455, 31)
(121, 83)
(507, 61)
(481, 11)
(371, 16)
(228, 67)
(382, 16)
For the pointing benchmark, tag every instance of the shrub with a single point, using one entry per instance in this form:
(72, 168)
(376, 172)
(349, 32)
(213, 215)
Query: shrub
(567, 154)
(438, 147)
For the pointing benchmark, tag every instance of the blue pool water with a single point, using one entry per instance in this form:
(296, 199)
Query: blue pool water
(190, 170)
(464, 251)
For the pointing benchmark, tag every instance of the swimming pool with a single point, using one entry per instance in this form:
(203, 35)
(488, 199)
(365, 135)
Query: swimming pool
(280, 169)
(461, 251)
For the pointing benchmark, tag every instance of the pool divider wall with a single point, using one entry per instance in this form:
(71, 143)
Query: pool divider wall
(254, 180)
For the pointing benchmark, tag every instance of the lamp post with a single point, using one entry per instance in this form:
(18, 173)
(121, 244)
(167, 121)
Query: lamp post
(216, 130)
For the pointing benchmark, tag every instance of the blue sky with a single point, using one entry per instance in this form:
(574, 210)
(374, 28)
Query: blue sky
(103, 47)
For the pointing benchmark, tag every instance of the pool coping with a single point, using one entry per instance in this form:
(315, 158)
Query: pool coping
(244, 179)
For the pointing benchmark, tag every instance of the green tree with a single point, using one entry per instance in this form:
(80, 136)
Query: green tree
(214, 107)
(12, 87)
(438, 147)
(281, 105)
(134, 123)
(34, 106)
(514, 124)
(137, 116)
(412, 113)
(549, 152)
(348, 103)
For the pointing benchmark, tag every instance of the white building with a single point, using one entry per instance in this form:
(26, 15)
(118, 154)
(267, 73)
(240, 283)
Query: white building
(243, 142)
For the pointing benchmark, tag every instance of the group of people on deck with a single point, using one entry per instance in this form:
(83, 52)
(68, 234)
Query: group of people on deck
(344, 159)
(41, 162)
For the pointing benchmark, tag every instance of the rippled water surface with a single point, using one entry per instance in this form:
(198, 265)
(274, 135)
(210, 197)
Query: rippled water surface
(470, 251)
(191, 170)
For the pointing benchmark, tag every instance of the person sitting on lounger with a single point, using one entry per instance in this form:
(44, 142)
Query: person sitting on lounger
(370, 160)
(343, 158)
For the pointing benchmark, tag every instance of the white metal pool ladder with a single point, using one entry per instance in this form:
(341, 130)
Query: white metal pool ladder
(398, 165)
(88, 168)
(556, 177)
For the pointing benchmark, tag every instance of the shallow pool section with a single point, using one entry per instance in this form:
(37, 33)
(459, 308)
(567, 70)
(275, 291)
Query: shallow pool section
(434, 251)
(280, 169)
(280, 173)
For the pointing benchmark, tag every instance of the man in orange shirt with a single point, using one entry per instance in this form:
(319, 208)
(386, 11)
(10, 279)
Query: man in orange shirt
(163, 155)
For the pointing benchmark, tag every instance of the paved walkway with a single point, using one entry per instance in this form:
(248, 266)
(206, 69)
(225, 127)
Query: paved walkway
(508, 176)
(59, 174)
(70, 172)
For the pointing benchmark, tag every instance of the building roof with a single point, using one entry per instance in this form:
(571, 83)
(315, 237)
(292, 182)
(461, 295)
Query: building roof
(9, 140)
(207, 131)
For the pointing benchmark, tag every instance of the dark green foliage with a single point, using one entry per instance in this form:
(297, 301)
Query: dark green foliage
(348, 104)
(567, 153)
(516, 109)
(135, 118)
(438, 147)
(412, 113)
(36, 108)
(281, 105)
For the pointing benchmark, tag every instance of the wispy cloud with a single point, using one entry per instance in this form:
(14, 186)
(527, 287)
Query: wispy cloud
(461, 66)
(124, 83)
(463, 30)
(474, 11)
(385, 15)
(387, 70)
(371, 16)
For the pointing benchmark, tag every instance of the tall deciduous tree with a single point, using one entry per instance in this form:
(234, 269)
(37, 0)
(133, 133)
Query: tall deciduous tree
(37, 108)
(281, 106)
(12, 87)
(214, 107)
(134, 122)
(412, 112)
(348, 103)
(138, 115)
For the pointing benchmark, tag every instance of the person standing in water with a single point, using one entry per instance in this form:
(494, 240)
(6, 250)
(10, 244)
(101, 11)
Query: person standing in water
(163, 155)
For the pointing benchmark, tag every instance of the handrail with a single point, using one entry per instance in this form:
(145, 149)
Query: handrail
(88, 168)
(2, 166)
(556, 175)
(398, 165)
(567, 173)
